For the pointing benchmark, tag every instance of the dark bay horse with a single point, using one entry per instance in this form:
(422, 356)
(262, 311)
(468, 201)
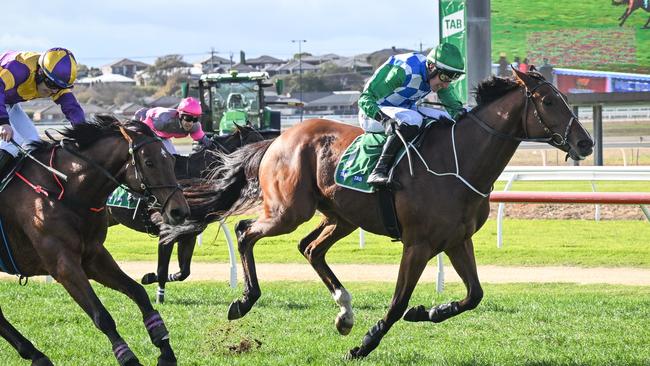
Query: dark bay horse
(630, 7)
(294, 176)
(58, 228)
(196, 165)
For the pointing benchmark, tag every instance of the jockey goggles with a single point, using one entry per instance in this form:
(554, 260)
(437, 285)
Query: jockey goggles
(189, 118)
(448, 76)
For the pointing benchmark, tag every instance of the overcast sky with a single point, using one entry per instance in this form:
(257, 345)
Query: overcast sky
(100, 32)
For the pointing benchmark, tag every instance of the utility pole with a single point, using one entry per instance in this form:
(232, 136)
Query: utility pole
(212, 59)
(300, 41)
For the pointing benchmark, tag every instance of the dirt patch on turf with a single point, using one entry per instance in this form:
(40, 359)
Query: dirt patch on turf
(568, 211)
(229, 339)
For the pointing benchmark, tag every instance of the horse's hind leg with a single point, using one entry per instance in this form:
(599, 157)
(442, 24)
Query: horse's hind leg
(314, 247)
(186, 246)
(102, 268)
(462, 258)
(414, 260)
(647, 24)
(23, 346)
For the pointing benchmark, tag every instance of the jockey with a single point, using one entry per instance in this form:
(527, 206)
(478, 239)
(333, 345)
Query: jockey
(179, 122)
(389, 98)
(30, 75)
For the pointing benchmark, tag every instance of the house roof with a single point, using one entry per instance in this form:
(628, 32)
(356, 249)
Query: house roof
(336, 98)
(167, 101)
(310, 96)
(294, 64)
(217, 60)
(321, 58)
(350, 62)
(242, 67)
(264, 59)
(106, 78)
(126, 61)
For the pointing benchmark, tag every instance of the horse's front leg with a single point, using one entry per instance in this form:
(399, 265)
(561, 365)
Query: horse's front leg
(462, 258)
(414, 260)
(102, 268)
(66, 268)
(23, 346)
(161, 276)
(623, 17)
(314, 247)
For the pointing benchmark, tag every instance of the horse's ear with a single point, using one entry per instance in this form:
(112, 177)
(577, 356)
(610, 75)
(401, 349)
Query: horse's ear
(532, 68)
(521, 76)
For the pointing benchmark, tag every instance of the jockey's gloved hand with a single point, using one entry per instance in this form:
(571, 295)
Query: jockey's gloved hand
(207, 142)
(382, 117)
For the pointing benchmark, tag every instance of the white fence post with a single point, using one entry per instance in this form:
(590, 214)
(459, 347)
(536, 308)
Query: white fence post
(501, 213)
(362, 239)
(231, 253)
(440, 283)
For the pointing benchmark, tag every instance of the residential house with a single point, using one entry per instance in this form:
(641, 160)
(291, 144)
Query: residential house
(263, 62)
(127, 110)
(354, 64)
(167, 101)
(321, 59)
(293, 67)
(214, 63)
(53, 113)
(113, 79)
(124, 67)
(338, 103)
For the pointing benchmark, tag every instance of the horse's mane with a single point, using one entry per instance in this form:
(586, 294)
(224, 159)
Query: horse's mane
(492, 89)
(100, 126)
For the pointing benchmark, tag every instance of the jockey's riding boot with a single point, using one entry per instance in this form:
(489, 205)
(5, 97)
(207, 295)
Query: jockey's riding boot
(5, 160)
(379, 176)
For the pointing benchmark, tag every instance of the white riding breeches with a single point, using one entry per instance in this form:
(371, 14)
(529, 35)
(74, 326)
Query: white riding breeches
(401, 115)
(24, 130)
(169, 146)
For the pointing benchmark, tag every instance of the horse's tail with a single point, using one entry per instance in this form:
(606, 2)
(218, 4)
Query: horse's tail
(235, 183)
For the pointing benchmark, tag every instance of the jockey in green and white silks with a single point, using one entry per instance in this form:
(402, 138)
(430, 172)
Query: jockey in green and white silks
(390, 96)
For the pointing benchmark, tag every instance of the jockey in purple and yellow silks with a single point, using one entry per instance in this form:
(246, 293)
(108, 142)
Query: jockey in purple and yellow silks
(30, 75)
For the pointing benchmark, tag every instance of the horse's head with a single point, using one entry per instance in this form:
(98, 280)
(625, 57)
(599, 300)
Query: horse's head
(150, 170)
(243, 135)
(547, 115)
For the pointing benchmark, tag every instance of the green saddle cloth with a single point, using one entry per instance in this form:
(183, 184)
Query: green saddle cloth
(122, 198)
(358, 161)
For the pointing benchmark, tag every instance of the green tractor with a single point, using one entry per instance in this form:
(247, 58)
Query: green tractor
(234, 98)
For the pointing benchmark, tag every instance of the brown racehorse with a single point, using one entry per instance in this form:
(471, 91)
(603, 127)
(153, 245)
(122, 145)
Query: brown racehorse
(62, 233)
(631, 6)
(294, 175)
(186, 167)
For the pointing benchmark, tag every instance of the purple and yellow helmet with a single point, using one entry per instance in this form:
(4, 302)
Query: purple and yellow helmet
(59, 65)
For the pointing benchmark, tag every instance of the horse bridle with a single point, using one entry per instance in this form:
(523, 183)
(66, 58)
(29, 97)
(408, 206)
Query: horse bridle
(147, 195)
(553, 137)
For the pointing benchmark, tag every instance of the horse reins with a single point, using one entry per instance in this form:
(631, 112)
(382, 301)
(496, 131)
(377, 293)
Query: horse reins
(553, 136)
(143, 184)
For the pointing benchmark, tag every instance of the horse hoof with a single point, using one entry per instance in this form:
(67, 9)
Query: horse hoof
(133, 362)
(160, 299)
(344, 324)
(354, 354)
(149, 278)
(234, 310)
(43, 361)
(415, 314)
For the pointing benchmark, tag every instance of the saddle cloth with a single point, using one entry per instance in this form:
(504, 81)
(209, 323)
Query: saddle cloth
(361, 157)
(122, 198)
